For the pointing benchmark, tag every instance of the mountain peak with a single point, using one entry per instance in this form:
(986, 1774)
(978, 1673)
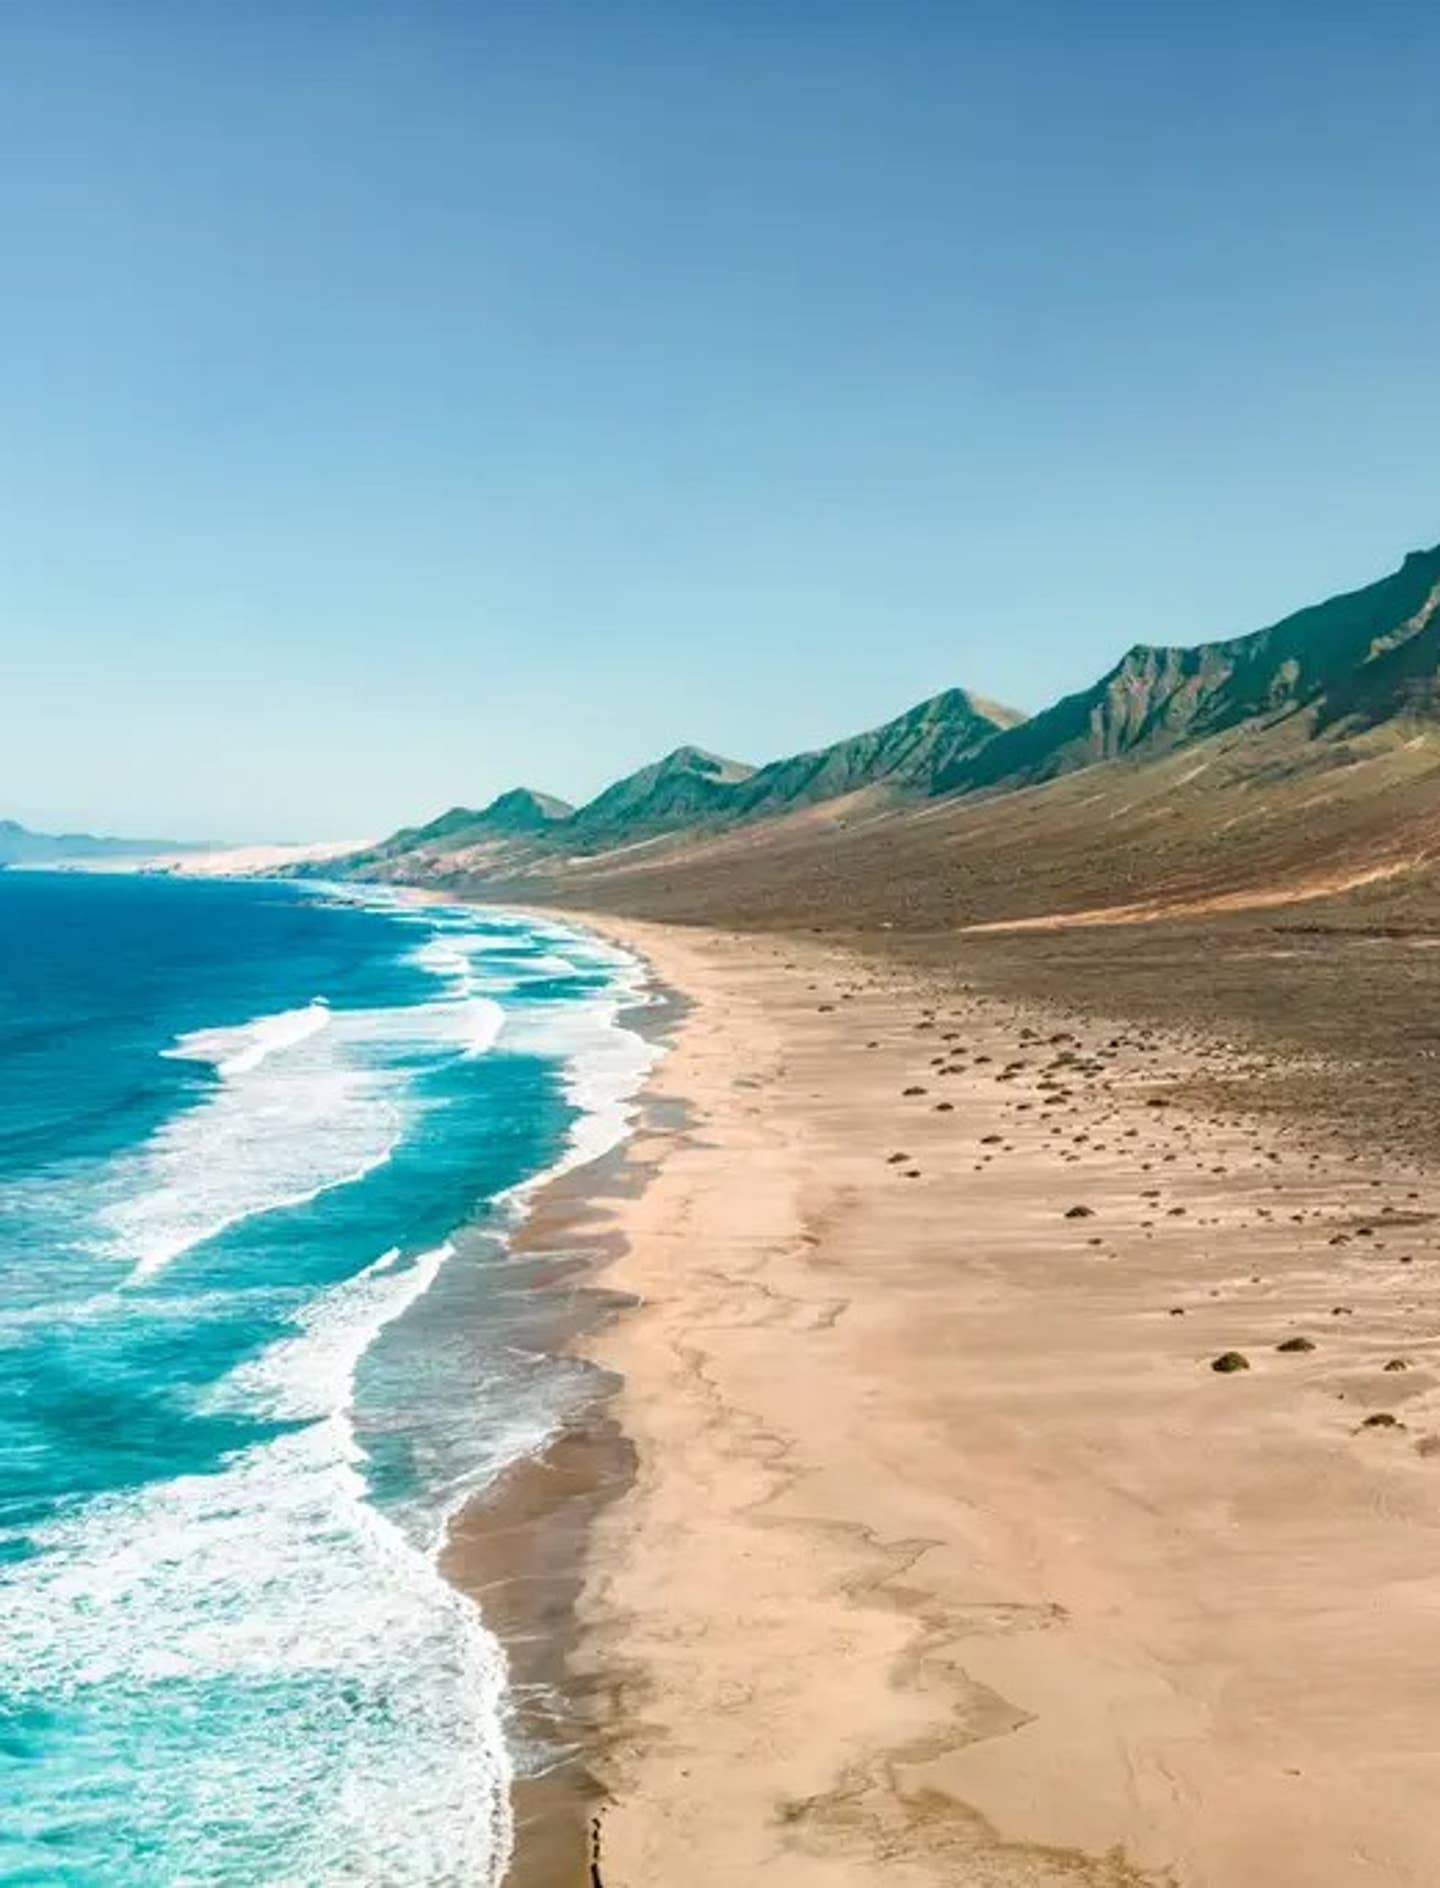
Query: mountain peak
(688, 759)
(960, 704)
(522, 809)
(910, 753)
(687, 784)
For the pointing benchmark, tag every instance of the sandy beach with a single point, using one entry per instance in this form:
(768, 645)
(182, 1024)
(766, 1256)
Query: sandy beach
(947, 1555)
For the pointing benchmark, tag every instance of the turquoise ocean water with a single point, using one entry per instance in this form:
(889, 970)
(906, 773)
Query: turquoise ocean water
(259, 1144)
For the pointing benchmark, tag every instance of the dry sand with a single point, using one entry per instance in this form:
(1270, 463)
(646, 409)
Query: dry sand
(948, 1557)
(252, 861)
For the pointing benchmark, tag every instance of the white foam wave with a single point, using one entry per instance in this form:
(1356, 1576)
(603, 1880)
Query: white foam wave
(605, 1061)
(313, 1372)
(282, 1130)
(238, 1050)
(548, 964)
(313, 1099)
(277, 1140)
(445, 956)
(389, 1763)
(443, 959)
(484, 1021)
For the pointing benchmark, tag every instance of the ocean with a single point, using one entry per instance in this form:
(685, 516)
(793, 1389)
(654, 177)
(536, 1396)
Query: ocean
(259, 1147)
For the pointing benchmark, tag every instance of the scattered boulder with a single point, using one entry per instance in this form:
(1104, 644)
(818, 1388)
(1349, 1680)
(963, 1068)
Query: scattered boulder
(1229, 1361)
(1293, 1344)
(1080, 1212)
(1382, 1419)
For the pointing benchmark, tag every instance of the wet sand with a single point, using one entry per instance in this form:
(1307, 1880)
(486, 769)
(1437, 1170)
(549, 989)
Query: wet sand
(948, 1556)
(519, 1554)
(519, 1549)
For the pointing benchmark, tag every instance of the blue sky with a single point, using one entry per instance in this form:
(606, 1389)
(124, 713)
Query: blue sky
(398, 402)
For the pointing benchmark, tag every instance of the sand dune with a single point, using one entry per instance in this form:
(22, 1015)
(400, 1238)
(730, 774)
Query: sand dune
(252, 861)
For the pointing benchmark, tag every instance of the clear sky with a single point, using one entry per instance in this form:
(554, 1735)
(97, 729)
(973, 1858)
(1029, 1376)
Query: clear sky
(402, 401)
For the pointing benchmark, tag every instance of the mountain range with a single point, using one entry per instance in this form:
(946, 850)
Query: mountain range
(1178, 769)
(690, 790)
(20, 846)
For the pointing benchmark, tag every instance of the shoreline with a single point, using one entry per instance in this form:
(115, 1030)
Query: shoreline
(518, 1548)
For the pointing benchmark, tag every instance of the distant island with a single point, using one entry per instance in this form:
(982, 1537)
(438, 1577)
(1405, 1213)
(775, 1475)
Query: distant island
(190, 858)
(19, 845)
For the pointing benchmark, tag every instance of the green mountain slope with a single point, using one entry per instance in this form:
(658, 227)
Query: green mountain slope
(687, 786)
(1158, 698)
(521, 813)
(911, 753)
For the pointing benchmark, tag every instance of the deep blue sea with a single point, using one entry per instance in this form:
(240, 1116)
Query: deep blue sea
(259, 1144)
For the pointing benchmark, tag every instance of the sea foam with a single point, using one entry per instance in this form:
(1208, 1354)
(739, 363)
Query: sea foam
(238, 1050)
(307, 1100)
(211, 1591)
